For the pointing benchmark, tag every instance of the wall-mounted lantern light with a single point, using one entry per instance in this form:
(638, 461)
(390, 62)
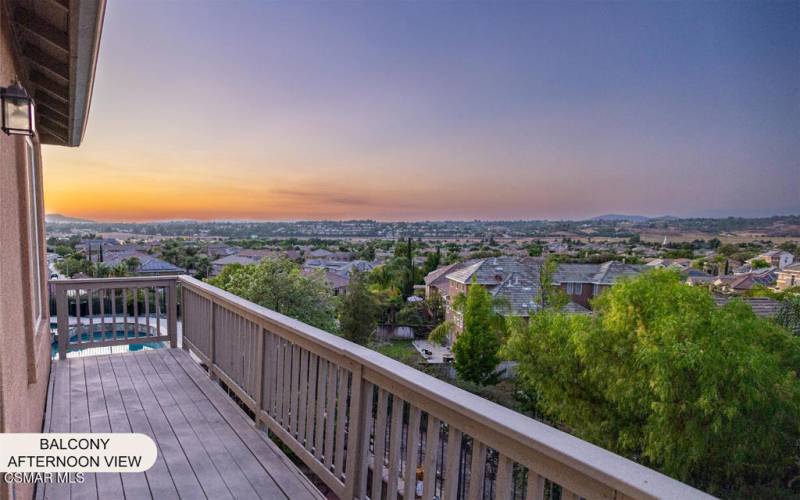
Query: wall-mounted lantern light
(17, 111)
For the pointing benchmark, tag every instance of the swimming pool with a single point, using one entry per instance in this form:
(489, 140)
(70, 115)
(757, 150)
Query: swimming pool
(107, 334)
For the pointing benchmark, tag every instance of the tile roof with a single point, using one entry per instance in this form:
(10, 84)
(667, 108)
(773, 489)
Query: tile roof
(761, 306)
(606, 273)
(520, 292)
(494, 270)
(234, 259)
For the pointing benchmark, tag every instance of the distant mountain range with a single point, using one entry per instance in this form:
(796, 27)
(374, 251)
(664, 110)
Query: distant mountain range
(58, 218)
(629, 218)
(620, 218)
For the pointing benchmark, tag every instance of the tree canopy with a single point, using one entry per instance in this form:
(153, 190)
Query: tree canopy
(706, 394)
(476, 347)
(280, 285)
(358, 310)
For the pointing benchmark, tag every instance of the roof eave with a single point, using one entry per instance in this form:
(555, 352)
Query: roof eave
(86, 26)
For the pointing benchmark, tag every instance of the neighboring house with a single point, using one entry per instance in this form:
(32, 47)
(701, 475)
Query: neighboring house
(583, 282)
(338, 266)
(320, 253)
(257, 253)
(436, 281)
(740, 283)
(219, 264)
(148, 265)
(337, 273)
(336, 282)
(680, 264)
(218, 250)
(695, 277)
(788, 277)
(775, 258)
(514, 282)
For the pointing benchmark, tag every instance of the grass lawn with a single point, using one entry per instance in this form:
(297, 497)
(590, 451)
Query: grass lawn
(400, 350)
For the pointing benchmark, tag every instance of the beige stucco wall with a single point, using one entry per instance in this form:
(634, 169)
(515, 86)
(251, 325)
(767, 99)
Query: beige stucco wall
(24, 355)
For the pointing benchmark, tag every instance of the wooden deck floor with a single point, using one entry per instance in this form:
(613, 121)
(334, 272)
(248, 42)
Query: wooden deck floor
(207, 447)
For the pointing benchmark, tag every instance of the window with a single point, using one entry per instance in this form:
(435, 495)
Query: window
(578, 288)
(34, 247)
(574, 288)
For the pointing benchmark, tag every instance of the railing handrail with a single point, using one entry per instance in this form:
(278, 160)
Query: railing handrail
(114, 281)
(621, 474)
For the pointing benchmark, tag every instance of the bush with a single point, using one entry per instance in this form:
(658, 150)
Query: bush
(706, 394)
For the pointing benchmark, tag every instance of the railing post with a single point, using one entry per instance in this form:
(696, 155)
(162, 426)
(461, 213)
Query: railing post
(355, 436)
(62, 316)
(172, 315)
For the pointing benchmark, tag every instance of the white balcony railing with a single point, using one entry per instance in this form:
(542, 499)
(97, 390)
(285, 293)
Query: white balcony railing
(366, 425)
(370, 426)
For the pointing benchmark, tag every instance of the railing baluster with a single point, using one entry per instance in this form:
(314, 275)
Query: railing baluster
(90, 315)
(320, 412)
(147, 309)
(301, 405)
(102, 293)
(429, 467)
(363, 457)
(280, 388)
(452, 462)
(78, 322)
(124, 313)
(311, 403)
(477, 471)
(259, 370)
(293, 391)
(503, 483)
(330, 415)
(379, 444)
(113, 313)
(412, 452)
(395, 436)
(535, 486)
(341, 422)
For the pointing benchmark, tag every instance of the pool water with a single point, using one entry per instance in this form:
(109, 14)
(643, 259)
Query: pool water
(98, 336)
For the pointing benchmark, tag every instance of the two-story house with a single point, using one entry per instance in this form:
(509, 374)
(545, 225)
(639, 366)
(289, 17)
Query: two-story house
(775, 258)
(583, 282)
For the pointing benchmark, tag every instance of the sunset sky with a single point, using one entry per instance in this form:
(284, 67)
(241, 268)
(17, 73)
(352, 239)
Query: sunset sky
(437, 110)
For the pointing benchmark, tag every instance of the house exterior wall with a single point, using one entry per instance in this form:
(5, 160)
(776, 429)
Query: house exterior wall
(583, 298)
(24, 346)
(788, 279)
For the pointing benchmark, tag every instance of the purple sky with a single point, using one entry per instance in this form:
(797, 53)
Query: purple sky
(433, 110)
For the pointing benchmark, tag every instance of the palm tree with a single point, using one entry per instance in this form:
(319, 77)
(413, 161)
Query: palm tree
(132, 263)
(120, 270)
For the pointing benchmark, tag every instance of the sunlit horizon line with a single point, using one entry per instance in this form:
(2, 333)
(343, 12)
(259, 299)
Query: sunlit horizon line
(415, 220)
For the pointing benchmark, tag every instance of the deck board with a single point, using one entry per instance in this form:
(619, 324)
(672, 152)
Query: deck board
(207, 447)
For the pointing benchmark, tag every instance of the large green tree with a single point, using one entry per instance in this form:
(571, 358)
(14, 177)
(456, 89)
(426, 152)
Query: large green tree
(707, 394)
(476, 347)
(279, 284)
(358, 310)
